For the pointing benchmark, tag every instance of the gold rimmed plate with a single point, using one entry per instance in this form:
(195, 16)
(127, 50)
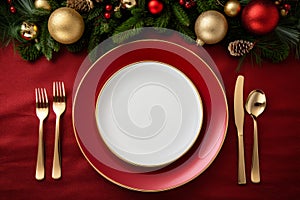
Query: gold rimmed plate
(149, 113)
(182, 170)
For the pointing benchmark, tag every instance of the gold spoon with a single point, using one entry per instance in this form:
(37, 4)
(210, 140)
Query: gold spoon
(255, 105)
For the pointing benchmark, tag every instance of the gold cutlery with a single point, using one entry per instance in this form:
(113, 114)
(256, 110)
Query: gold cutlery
(59, 106)
(42, 110)
(255, 105)
(239, 122)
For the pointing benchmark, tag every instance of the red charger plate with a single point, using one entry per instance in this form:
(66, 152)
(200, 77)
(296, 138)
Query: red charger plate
(190, 165)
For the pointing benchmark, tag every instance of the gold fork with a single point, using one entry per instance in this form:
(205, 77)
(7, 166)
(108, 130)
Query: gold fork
(42, 110)
(59, 106)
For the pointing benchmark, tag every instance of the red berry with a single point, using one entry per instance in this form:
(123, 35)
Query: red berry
(108, 7)
(12, 9)
(287, 6)
(107, 15)
(9, 2)
(188, 5)
(193, 3)
(182, 2)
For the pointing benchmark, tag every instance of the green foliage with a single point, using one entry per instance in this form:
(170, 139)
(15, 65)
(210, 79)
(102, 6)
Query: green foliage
(47, 43)
(130, 27)
(181, 15)
(126, 23)
(29, 52)
(162, 21)
(274, 51)
(208, 5)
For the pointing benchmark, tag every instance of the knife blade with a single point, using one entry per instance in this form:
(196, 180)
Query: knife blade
(239, 122)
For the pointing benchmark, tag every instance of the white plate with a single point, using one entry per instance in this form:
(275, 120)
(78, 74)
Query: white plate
(149, 113)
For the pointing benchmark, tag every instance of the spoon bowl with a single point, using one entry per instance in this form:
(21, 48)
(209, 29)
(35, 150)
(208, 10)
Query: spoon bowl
(255, 105)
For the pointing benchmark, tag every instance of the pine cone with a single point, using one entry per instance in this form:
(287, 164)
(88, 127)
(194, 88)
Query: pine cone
(80, 5)
(240, 47)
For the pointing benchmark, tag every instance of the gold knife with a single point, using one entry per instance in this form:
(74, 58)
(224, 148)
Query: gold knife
(239, 122)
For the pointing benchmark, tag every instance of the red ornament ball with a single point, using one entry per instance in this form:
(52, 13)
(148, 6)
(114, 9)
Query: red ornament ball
(155, 6)
(260, 16)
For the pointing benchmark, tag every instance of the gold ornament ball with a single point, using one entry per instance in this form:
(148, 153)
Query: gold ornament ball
(210, 27)
(66, 25)
(42, 4)
(232, 8)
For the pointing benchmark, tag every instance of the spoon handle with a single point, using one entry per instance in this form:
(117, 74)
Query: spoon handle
(255, 174)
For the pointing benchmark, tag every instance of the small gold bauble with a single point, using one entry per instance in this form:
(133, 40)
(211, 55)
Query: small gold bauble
(128, 3)
(29, 31)
(283, 12)
(210, 27)
(66, 25)
(232, 8)
(42, 4)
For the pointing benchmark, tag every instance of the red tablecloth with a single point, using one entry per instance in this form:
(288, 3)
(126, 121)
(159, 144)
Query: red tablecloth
(279, 136)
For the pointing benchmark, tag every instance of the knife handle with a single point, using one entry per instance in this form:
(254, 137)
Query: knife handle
(241, 161)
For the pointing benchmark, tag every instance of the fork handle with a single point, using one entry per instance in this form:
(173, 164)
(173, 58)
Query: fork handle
(40, 167)
(56, 167)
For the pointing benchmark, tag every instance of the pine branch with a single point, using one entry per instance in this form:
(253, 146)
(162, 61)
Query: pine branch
(181, 15)
(203, 6)
(94, 13)
(290, 36)
(54, 4)
(130, 27)
(29, 52)
(47, 43)
(96, 33)
(127, 30)
(163, 20)
(185, 31)
(273, 50)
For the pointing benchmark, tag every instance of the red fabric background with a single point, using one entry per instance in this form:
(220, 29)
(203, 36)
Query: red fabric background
(279, 135)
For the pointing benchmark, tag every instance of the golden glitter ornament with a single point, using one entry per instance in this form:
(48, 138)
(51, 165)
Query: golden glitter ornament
(128, 3)
(232, 8)
(42, 4)
(66, 25)
(210, 27)
(29, 31)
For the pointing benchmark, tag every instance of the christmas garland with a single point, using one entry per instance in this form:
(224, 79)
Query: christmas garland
(261, 29)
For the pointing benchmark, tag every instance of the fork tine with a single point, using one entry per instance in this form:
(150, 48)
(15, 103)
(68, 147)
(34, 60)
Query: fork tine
(63, 90)
(36, 97)
(39, 97)
(59, 89)
(46, 97)
(42, 97)
(54, 89)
